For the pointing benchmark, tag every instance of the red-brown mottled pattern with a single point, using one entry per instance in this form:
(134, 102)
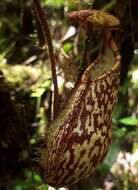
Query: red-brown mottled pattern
(100, 95)
(94, 19)
(83, 136)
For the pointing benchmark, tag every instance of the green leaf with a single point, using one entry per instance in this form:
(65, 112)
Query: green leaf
(38, 92)
(67, 47)
(132, 134)
(37, 178)
(129, 121)
(54, 3)
(111, 157)
(119, 133)
(43, 187)
(113, 152)
(135, 147)
(46, 84)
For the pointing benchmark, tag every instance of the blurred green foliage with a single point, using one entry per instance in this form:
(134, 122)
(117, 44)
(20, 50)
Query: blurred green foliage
(32, 181)
(54, 3)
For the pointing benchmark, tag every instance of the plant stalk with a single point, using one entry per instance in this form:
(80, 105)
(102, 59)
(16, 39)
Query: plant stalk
(47, 37)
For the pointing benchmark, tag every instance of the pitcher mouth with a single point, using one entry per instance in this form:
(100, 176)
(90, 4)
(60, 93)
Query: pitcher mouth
(99, 68)
(106, 62)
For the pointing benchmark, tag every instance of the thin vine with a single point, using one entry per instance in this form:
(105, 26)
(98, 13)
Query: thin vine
(41, 18)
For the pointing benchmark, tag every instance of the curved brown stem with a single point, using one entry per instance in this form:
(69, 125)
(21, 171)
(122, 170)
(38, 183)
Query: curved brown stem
(41, 17)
